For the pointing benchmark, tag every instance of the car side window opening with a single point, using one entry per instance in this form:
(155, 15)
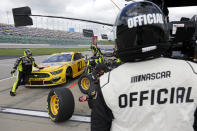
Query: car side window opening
(77, 56)
(80, 55)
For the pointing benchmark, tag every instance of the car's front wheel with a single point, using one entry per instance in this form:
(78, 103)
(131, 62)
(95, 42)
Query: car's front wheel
(69, 73)
(60, 104)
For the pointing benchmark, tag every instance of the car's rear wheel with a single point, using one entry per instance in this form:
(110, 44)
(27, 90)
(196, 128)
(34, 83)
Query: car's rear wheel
(84, 83)
(60, 104)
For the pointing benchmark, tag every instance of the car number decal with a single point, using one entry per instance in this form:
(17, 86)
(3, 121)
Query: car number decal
(79, 66)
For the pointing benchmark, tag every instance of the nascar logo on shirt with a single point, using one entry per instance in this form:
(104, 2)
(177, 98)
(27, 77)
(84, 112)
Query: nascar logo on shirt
(140, 20)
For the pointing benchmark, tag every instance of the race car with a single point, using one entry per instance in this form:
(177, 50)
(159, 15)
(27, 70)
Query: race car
(57, 69)
(107, 52)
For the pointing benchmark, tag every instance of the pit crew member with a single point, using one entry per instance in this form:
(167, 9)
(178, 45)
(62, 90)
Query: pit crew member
(23, 66)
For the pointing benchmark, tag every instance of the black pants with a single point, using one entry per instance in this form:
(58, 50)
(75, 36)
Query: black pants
(195, 120)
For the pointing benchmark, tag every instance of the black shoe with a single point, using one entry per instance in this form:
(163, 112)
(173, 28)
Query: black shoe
(12, 93)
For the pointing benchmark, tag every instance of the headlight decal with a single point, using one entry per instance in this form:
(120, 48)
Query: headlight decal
(56, 72)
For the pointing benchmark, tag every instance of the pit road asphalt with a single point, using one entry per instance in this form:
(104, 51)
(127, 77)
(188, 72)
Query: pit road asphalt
(34, 99)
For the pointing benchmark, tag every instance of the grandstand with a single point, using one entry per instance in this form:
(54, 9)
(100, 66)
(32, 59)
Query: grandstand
(11, 34)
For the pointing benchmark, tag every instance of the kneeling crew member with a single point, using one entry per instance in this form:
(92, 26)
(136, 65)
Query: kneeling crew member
(23, 66)
(147, 92)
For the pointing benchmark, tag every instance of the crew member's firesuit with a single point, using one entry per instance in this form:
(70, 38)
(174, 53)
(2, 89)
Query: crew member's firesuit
(147, 92)
(97, 52)
(23, 66)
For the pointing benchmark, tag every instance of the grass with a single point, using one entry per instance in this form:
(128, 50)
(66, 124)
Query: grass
(37, 51)
(106, 42)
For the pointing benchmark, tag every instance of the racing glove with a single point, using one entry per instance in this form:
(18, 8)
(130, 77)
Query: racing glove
(13, 70)
(83, 98)
(40, 68)
(90, 96)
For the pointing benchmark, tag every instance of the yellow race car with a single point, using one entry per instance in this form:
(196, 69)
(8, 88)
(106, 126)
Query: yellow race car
(57, 69)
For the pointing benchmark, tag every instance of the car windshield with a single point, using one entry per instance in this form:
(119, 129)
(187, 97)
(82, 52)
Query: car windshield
(108, 49)
(58, 58)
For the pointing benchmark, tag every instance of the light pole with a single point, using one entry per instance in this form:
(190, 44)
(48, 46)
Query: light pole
(7, 16)
(115, 4)
(36, 23)
(47, 23)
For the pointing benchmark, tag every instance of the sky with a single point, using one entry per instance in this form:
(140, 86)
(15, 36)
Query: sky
(98, 10)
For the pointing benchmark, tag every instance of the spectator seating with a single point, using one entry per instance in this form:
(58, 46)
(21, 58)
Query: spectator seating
(9, 33)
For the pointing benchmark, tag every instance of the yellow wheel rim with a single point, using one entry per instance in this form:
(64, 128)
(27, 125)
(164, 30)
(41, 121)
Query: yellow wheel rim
(85, 83)
(54, 104)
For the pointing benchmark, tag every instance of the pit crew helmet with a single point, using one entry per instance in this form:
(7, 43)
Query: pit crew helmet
(141, 32)
(28, 53)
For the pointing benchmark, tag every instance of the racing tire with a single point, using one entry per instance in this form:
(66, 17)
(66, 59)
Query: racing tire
(69, 73)
(84, 83)
(60, 104)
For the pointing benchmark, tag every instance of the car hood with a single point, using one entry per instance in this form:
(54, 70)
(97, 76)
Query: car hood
(48, 67)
